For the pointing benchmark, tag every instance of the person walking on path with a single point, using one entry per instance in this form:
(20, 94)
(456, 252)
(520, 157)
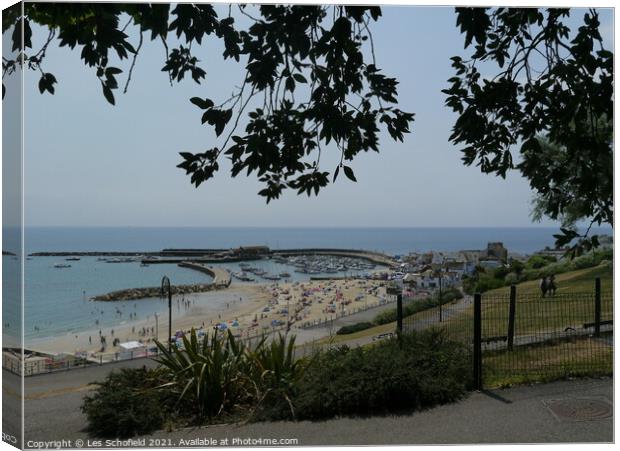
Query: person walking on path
(551, 285)
(544, 286)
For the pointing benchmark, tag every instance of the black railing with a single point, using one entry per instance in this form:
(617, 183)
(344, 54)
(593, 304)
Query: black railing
(535, 338)
(521, 336)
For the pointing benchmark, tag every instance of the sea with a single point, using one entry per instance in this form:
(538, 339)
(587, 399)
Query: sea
(56, 301)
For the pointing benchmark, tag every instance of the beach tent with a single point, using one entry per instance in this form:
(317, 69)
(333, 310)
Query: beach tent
(132, 349)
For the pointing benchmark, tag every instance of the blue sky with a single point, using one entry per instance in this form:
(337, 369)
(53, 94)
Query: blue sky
(88, 163)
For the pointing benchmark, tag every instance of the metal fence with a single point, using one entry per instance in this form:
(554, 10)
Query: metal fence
(525, 337)
(456, 319)
(521, 336)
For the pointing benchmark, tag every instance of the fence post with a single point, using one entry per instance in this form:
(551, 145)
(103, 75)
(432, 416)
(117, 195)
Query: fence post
(597, 307)
(399, 313)
(511, 316)
(477, 341)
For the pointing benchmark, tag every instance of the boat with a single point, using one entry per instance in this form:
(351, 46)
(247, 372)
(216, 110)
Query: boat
(61, 265)
(285, 275)
(270, 277)
(242, 276)
(73, 259)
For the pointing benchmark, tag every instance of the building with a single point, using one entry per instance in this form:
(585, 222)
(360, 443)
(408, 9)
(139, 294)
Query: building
(498, 251)
(250, 251)
(35, 362)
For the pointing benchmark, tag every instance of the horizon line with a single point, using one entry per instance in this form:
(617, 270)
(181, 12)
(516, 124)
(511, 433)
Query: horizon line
(532, 226)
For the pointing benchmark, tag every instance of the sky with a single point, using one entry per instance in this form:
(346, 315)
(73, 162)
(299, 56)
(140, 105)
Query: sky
(88, 163)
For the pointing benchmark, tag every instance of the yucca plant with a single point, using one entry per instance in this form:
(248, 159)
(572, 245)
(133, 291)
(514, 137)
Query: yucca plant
(275, 372)
(209, 374)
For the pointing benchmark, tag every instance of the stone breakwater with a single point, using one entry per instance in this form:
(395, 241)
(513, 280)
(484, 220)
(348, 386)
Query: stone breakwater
(131, 294)
(221, 279)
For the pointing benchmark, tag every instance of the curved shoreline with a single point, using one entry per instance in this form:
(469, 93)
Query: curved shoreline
(221, 277)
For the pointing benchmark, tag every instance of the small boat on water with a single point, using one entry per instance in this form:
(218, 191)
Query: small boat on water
(270, 277)
(73, 259)
(61, 265)
(242, 276)
(285, 275)
(120, 260)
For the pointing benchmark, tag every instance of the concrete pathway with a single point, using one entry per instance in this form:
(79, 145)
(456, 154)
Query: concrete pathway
(517, 415)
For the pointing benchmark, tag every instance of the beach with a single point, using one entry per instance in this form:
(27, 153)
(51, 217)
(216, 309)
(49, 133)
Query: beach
(246, 309)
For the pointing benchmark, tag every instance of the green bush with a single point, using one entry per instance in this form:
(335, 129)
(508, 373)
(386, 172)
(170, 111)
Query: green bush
(421, 370)
(413, 306)
(500, 272)
(207, 375)
(486, 283)
(275, 373)
(538, 261)
(345, 330)
(128, 403)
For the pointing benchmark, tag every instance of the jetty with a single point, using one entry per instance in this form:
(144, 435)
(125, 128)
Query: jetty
(221, 277)
(221, 280)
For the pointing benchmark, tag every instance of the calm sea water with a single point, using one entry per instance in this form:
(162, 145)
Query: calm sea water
(389, 240)
(56, 300)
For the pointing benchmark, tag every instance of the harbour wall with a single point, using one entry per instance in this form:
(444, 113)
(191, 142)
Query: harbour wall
(207, 255)
(221, 279)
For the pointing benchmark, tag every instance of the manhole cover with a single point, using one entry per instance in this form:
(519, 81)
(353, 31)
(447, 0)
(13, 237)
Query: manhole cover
(579, 409)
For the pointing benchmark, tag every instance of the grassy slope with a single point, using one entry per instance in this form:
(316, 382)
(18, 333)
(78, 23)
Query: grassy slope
(581, 281)
(584, 356)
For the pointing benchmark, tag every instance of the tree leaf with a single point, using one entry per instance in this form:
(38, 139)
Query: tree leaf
(336, 173)
(349, 173)
(107, 93)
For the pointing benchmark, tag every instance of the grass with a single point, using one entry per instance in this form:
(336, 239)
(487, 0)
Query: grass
(532, 314)
(533, 363)
(572, 305)
(579, 356)
(340, 339)
(581, 280)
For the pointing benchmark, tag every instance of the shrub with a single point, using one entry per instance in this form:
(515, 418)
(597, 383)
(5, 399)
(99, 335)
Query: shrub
(538, 261)
(413, 306)
(418, 371)
(127, 403)
(275, 372)
(207, 375)
(486, 283)
(500, 272)
(511, 278)
(345, 330)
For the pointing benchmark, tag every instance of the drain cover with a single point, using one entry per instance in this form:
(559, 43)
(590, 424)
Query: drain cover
(580, 409)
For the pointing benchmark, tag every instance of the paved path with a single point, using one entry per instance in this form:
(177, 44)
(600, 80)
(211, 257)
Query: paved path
(517, 415)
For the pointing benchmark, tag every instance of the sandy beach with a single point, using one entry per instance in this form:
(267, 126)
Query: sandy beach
(246, 309)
